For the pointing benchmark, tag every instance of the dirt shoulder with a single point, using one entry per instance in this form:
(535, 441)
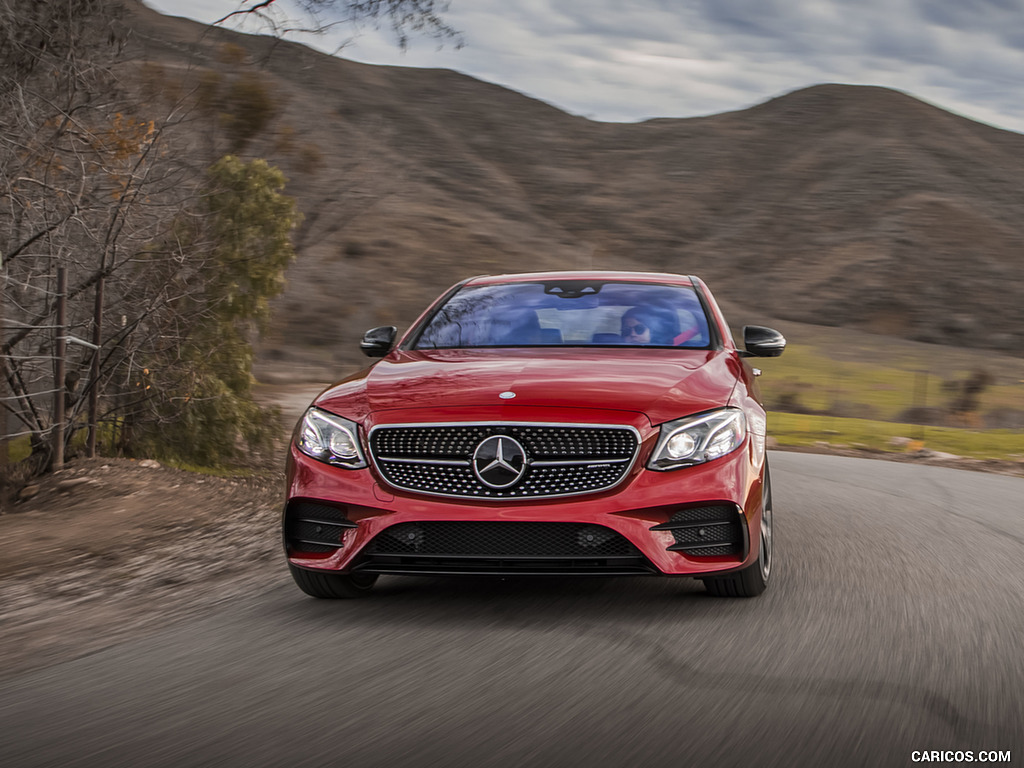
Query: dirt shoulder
(107, 548)
(110, 547)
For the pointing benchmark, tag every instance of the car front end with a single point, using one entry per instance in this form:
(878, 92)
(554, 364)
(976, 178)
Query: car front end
(533, 460)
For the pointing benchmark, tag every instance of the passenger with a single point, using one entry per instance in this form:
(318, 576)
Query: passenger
(641, 325)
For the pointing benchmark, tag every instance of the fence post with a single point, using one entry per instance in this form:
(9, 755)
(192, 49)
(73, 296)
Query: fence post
(921, 401)
(94, 374)
(4, 454)
(58, 376)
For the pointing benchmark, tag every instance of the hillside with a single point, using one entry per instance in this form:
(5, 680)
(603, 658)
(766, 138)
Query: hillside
(834, 205)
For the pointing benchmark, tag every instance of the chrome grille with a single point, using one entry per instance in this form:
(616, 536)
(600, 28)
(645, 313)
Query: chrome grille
(561, 459)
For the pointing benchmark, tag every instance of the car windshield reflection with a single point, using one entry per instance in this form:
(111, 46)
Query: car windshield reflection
(568, 313)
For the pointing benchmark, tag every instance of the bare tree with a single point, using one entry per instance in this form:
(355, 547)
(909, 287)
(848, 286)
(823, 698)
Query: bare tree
(90, 184)
(404, 17)
(93, 185)
(53, 63)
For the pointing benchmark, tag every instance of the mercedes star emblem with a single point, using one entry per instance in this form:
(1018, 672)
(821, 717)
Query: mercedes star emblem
(499, 461)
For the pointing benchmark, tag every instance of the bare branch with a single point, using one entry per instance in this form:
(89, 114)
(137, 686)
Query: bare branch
(405, 17)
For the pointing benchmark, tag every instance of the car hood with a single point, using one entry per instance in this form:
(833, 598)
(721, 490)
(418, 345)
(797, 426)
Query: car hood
(662, 384)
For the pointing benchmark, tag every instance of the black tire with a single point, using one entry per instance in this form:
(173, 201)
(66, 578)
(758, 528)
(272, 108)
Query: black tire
(333, 586)
(752, 580)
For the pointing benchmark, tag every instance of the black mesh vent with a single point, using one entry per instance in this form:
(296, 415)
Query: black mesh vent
(307, 531)
(501, 547)
(312, 527)
(313, 510)
(438, 459)
(497, 538)
(721, 513)
(714, 551)
(704, 534)
(708, 531)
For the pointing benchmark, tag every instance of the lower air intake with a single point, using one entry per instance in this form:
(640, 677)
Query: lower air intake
(313, 527)
(706, 531)
(525, 548)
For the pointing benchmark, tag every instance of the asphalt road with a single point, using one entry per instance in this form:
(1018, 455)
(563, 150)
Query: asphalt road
(895, 623)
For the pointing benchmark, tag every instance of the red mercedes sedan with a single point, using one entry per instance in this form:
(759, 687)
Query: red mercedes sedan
(577, 423)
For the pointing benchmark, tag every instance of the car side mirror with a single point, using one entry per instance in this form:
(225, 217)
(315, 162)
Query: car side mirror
(763, 342)
(377, 342)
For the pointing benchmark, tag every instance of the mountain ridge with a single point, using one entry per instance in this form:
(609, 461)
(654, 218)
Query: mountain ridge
(835, 204)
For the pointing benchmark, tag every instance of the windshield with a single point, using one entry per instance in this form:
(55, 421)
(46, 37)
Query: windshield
(568, 313)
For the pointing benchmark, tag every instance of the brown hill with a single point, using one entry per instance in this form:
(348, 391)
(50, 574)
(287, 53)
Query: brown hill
(834, 205)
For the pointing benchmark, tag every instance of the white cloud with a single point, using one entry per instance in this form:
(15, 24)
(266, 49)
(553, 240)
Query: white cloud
(676, 58)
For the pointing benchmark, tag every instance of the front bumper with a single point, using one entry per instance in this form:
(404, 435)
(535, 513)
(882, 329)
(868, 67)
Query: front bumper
(361, 507)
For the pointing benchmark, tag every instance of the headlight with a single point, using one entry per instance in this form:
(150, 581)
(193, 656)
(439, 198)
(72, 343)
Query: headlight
(697, 439)
(330, 439)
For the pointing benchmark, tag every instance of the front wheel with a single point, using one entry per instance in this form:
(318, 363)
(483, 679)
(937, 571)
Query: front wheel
(752, 580)
(333, 586)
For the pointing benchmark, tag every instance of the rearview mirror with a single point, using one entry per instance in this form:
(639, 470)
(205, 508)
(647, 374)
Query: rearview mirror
(377, 341)
(763, 342)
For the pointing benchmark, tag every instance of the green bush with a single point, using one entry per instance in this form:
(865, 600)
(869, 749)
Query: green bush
(199, 407)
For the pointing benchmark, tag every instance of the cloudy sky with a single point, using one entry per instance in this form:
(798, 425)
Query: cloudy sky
(629, 60)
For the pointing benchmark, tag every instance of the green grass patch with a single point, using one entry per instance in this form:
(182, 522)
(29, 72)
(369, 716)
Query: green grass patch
(228, 472)
(808, 377)
(19, 449)
(795, 429)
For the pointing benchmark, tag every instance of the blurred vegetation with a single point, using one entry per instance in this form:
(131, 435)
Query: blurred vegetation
(309, 159)
(248, 108)
(970, 406)
(806, 379)
(795, 429)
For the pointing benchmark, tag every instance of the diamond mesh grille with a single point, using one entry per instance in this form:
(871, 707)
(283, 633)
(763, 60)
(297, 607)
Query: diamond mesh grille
(438, 459)
(541, 441)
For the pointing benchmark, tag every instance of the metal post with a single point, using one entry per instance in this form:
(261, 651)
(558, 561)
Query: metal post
(94, 374)
(58, 375)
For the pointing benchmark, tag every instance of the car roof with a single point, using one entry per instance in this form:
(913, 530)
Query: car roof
(588, 275)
